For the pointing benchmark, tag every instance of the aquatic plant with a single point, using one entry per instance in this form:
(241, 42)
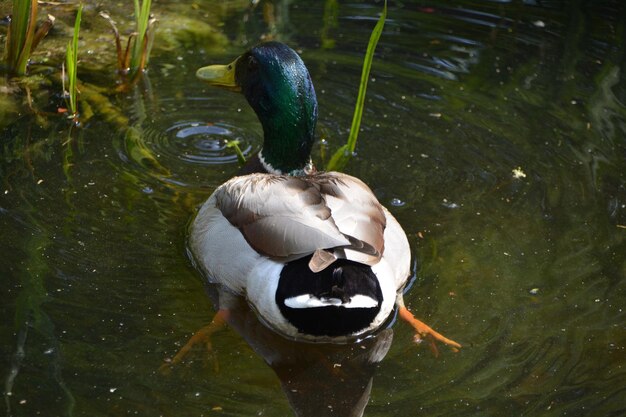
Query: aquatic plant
(133, 59)
(234, 144)
(144, 38)
(23, 38)
(71, 61)
(341, 156)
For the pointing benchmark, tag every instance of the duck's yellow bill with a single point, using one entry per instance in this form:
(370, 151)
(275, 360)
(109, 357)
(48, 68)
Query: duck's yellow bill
(220, 76)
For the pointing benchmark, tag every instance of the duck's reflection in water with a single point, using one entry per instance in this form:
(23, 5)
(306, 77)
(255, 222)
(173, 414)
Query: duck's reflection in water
(319, 379)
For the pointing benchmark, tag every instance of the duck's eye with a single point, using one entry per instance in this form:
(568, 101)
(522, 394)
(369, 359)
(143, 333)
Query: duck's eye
(253, 64)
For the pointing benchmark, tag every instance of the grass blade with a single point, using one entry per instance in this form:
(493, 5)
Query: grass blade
(140, 47)
(17, 31)
(27, 38)
(22, 39)
(134, 59)
(341, 156)
(71, 58)
(150, 40)
(18, 44)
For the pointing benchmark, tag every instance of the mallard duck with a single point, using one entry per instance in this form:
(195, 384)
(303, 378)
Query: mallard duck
(316, 255)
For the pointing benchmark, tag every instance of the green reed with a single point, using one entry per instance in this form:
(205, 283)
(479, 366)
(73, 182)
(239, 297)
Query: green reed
(145, 36)
(133, 59)
(23, 36)
(71, 62)
(343, 154)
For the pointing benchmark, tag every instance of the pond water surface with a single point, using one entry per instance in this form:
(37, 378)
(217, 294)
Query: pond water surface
(495, 131)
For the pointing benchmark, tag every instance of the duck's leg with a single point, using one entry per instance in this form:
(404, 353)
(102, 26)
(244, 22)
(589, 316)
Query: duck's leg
(201, 336)
(422, 330)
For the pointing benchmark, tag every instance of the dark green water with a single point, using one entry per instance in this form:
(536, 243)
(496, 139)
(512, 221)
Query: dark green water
(528, 272)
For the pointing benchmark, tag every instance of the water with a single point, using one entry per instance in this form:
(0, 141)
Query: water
(493, 130)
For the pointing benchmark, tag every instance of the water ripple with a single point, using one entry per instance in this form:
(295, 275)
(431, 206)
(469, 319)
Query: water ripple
(187, 142)
(202, 143)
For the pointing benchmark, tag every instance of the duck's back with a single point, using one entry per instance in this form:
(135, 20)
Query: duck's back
(330, 216)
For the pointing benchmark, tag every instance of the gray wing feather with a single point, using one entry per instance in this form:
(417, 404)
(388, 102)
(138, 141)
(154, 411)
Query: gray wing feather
(290, 217)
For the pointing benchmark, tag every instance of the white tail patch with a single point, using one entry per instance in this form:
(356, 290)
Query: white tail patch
(311, 301)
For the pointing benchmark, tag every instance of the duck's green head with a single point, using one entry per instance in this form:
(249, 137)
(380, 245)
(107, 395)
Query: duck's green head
(277, 85)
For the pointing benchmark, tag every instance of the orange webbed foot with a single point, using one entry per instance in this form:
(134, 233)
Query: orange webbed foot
(425, 332)
(202, 336)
